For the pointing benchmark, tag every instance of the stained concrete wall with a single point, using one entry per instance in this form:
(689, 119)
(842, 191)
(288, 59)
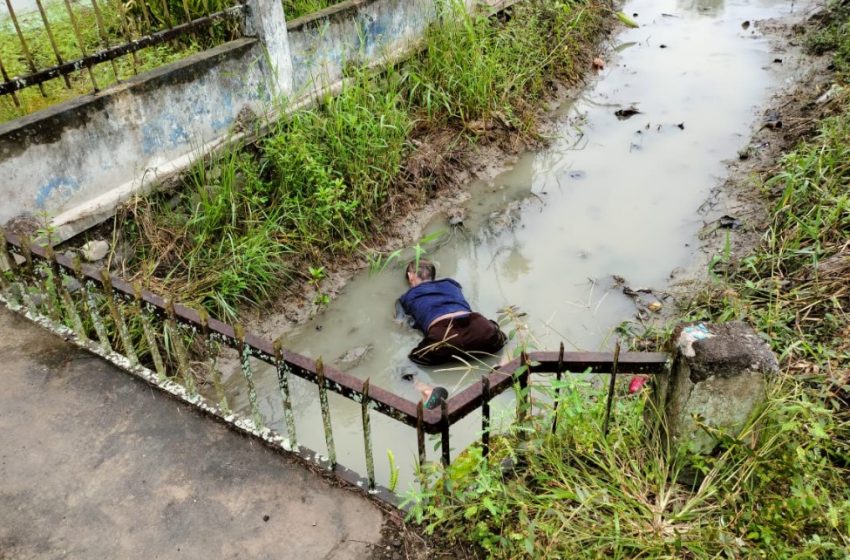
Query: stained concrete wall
(76, 161)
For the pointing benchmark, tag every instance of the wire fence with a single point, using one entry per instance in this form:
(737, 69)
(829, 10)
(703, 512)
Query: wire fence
(51, 50)
(153, 338)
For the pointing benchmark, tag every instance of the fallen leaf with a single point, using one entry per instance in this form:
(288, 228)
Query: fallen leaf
(627, 113)
(626, 20)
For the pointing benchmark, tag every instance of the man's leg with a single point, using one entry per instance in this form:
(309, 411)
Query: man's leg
(437, 347)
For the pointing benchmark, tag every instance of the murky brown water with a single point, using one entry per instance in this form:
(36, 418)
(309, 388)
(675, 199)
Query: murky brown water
(608, 197)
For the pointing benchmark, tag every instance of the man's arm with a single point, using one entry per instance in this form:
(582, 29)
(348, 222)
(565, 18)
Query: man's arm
(401, 315)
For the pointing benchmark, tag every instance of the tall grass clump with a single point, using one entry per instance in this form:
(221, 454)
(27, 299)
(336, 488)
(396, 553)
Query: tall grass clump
(777, 490)
(249, 221)
(479, 67)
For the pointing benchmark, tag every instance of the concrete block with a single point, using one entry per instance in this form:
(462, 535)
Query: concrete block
(718, 380)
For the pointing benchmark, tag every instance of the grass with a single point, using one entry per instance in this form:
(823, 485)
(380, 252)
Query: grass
(777, 490)
(321, 183)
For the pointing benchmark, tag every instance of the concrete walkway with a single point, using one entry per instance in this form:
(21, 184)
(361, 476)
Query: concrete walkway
(95, 464)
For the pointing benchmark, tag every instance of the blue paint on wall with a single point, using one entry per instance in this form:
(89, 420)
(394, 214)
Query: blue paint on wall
(57, 189)
(163, 133)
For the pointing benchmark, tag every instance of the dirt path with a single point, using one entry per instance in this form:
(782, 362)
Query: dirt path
(95, 464)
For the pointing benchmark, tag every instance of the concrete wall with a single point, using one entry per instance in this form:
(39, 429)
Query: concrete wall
(75, 162)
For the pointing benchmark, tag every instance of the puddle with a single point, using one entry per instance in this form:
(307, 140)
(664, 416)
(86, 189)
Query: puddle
(610, 196)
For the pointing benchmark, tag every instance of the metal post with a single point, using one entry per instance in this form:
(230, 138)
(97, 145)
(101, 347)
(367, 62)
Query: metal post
(118, 318)
(245, 361)
(485, 415)
(558, 390)
(51, 39)
(367, 436)
(420, 432)
(150, 336)
(6, 79)
(80, 41)
(283, 383)
(104, 37)
(24, 46)
(67, 300)
(326, 413)
(610, 400)
(444, 432)
(524, 397)
(214, 372)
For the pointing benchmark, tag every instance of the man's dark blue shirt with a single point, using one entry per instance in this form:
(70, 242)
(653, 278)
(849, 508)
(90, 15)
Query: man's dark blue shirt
(431, 299)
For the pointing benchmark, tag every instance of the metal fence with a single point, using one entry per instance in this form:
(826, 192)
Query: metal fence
(70, 40)
(94, 309)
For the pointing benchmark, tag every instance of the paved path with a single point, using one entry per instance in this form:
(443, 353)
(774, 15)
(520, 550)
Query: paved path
(95, 464)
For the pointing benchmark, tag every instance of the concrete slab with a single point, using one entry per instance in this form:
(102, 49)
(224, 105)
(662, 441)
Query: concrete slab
(95, 464)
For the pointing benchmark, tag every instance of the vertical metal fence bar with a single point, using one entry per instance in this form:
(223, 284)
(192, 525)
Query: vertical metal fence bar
(80, 42)
(209, 345)
(558, 390)
(6, 79)
(420, 432)
(27, 270)
(8, 285)
(24, 46)
(444, 433)
(128, 35)
(610, 401)
(56, 52)
(146, 16)
(248, 373)
(523, 402)
(485, 416)
(118, 318)
(104, 37)
(367, 436)
(65, 299)
(90, 305)
(168, 22)
(150, 335)
(283, 384)
(180, 353)
(326, 413)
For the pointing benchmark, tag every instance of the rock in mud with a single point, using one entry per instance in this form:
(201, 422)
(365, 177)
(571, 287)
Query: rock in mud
(456, 216)
(95, 250)
(354, 357)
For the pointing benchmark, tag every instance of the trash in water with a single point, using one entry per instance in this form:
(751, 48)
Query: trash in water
(662, 46)
(627, 113)
(655, 306)
(681, 126)
(729, 222)
(598, 63)
(745, 25)
(777, 60)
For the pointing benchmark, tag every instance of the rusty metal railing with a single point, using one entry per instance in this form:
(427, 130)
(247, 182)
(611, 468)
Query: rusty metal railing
(71, 40)
(95, 313)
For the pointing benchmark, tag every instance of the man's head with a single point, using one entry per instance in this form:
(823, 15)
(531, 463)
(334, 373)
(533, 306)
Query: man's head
(421, 271)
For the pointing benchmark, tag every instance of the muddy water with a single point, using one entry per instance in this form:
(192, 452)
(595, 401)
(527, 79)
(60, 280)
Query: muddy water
(608, 197)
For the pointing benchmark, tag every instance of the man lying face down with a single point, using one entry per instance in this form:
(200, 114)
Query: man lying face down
(450, 328)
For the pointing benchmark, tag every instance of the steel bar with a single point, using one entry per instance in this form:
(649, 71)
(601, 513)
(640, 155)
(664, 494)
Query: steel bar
(118, 318)
(150, 335)
(485, 416)
(183, 369)
(24, 47)
(104, 36)
(420, 433)
(367, 436)
(209, 345)
(80, 43)
(559, 372)
(67, 301)
(283, 372)
(326, 413)
(5, 77)
(40, 76)
(610, 400)
(51, 39)
(128, 35)
(245, 361)
(444, 433)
